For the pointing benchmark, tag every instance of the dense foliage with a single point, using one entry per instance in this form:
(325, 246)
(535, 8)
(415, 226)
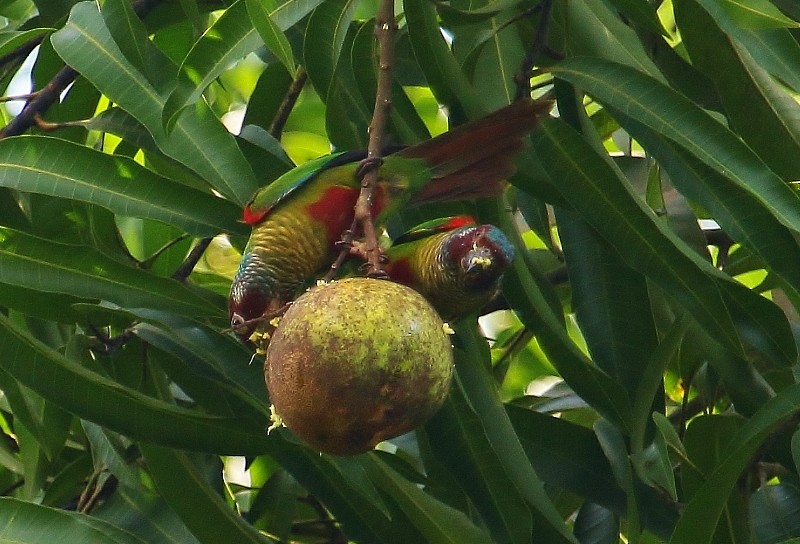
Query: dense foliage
(640, 376)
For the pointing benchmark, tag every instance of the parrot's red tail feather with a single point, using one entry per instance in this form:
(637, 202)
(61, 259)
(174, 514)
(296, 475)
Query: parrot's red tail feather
(472, 160)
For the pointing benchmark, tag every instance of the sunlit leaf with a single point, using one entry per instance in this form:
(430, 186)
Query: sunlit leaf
(198, 138)
(273, 37)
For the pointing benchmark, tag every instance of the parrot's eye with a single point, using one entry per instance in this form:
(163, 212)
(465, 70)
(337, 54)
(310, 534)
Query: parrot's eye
(237, 321)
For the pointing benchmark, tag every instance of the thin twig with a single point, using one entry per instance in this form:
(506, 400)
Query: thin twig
(191, 260)
(292, 94)
(263, 318)
(523, 78)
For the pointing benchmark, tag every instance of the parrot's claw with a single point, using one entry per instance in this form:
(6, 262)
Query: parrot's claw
(378, 274)
(368, 165)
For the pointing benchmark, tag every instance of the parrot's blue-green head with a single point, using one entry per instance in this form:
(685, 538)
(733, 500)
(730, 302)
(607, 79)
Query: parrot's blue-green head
(480, 254)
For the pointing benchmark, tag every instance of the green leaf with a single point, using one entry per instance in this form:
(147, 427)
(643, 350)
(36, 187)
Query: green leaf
(220, 389)
(198, 139)
(757, 107)
(746, 219)
(274, 38)
(97, 398)
(442, 71)
(622, 88)
(128, 32)
(228, 40)
(756, 14)
(590, 383)
(145, 515)
(481, 392)
(775, 513)
(271, 87)
(591, 29)
(614, 447)
(634, 231)
(82, 271)
(651, 388)
(184, 488)
(338, 482)
(10, 39)
(56, 167)
(610, 301)
(596, 525)
(702, 513)
(642, 14)
(28, 523)
(458, 442)
(496, 61)
(108, 453)
(324, 37)
(460, 14)
(435, 520)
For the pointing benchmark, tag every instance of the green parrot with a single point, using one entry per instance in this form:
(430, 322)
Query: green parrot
(298, 218)
(454, 263)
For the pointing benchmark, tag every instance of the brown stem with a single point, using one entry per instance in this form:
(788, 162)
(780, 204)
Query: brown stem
(44, 99)
(191, 260)
(523, 77)
(385, 27)
(344, 252)
(263, 318)
(22, 51)
(282, 115)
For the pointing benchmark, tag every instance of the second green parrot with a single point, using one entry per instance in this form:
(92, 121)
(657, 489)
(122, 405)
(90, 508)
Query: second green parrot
(454, 263)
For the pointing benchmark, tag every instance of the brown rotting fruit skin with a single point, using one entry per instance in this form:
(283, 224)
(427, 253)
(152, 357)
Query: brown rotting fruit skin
(358, 361)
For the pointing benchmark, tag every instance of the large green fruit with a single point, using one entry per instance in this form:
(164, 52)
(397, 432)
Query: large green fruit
(358, 361)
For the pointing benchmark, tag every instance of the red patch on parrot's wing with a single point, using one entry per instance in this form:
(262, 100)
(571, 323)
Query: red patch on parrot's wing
(250, 217)
(334, 210)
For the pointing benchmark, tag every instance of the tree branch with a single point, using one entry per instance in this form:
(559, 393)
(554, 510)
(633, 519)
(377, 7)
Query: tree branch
(191, 260)
(282, 115)
(385, 28)
(52, 91)
(523, 77)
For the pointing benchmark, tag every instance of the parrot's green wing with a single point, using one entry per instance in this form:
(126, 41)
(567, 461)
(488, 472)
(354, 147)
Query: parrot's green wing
(270, 196)
(434, 226)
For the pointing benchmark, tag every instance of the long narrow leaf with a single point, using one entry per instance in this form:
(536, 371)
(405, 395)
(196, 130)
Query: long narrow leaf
(229, 39)
(655, 105)
(757, 107)
(36, 263)
(481, 393)
(55, 167)
(435, 520)
(586, 179)
(699, 520)
(99, 399)
(189, 495)
(28, 523)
